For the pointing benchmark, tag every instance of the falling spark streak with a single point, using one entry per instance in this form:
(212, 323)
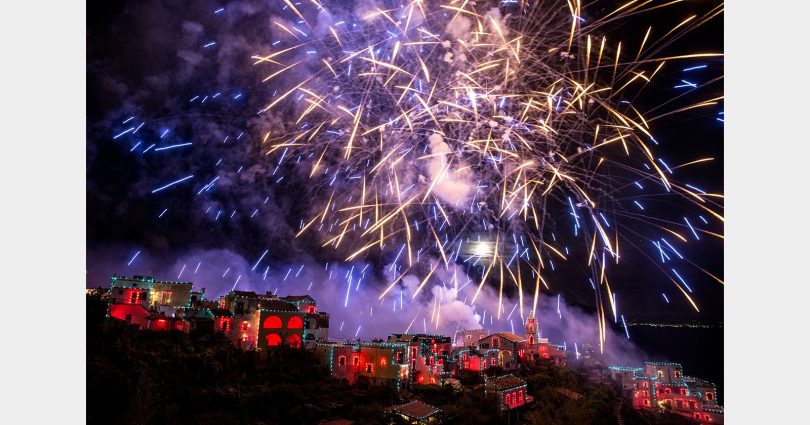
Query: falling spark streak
(133, 258)
(172, 183)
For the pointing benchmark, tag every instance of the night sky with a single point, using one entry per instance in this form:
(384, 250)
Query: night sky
(147, 60)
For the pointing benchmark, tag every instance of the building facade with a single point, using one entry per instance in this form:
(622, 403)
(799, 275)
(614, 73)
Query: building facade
(663, 386)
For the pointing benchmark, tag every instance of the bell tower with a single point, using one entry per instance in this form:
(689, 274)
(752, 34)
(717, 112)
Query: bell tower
(532, 331)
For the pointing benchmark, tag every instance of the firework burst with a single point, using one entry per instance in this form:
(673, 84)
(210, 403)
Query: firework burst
(464, 130)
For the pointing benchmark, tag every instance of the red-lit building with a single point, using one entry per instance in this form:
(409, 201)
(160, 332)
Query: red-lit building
(252, 321)
(508, 391)
(663, 386)
(538, 348)
(504, 349)
(139, 300)
(376, 363)
(429, 356)
(468, 337)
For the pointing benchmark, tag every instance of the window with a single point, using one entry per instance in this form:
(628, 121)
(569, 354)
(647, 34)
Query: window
(399, 356)
(646, 402)
(660, 373)
(667, 390)
(311, 309)
(413, 351)
(342, 361)
(645, 384)
(245, 326)
(677, 373)
(273, 340)
(295, 322)
(356, 361)
(645, 393)
(383, 362)
(683, 391)
(496, 343)
(369, 368)
(709, 396)
(272, 322)
(294, 341)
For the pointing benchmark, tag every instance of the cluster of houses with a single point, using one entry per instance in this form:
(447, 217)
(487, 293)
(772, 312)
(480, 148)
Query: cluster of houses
(662, 385)
(261, 322)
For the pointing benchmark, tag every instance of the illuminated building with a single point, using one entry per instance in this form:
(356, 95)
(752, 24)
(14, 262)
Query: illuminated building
(663, 386)
(139, 299)
(429, 356)
(252, 321)
(538, 348)
(504, 349)
(417, 413)
(468, 338)
(375, 364)
(508, 391)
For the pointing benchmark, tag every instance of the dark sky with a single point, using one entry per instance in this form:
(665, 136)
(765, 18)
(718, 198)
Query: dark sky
(146, 60)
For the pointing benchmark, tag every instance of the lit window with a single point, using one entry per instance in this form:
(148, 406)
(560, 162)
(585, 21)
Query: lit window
(245, 326)
(369, 368)
(646, 402)
(356, 361)
(342, 361)
(294, 341)
(709, 396)
(399, 356)
(677, 373)
(273, 340)
(272, 322)
(295, 322)
(660, 373)
(382, 362)
(645, 384)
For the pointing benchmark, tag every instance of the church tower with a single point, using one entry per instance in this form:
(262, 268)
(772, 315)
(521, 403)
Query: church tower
(532, 331)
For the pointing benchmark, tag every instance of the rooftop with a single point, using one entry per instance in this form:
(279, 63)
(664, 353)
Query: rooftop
(278, 305)
(416, 409)
(505, 382)
(510, 336)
